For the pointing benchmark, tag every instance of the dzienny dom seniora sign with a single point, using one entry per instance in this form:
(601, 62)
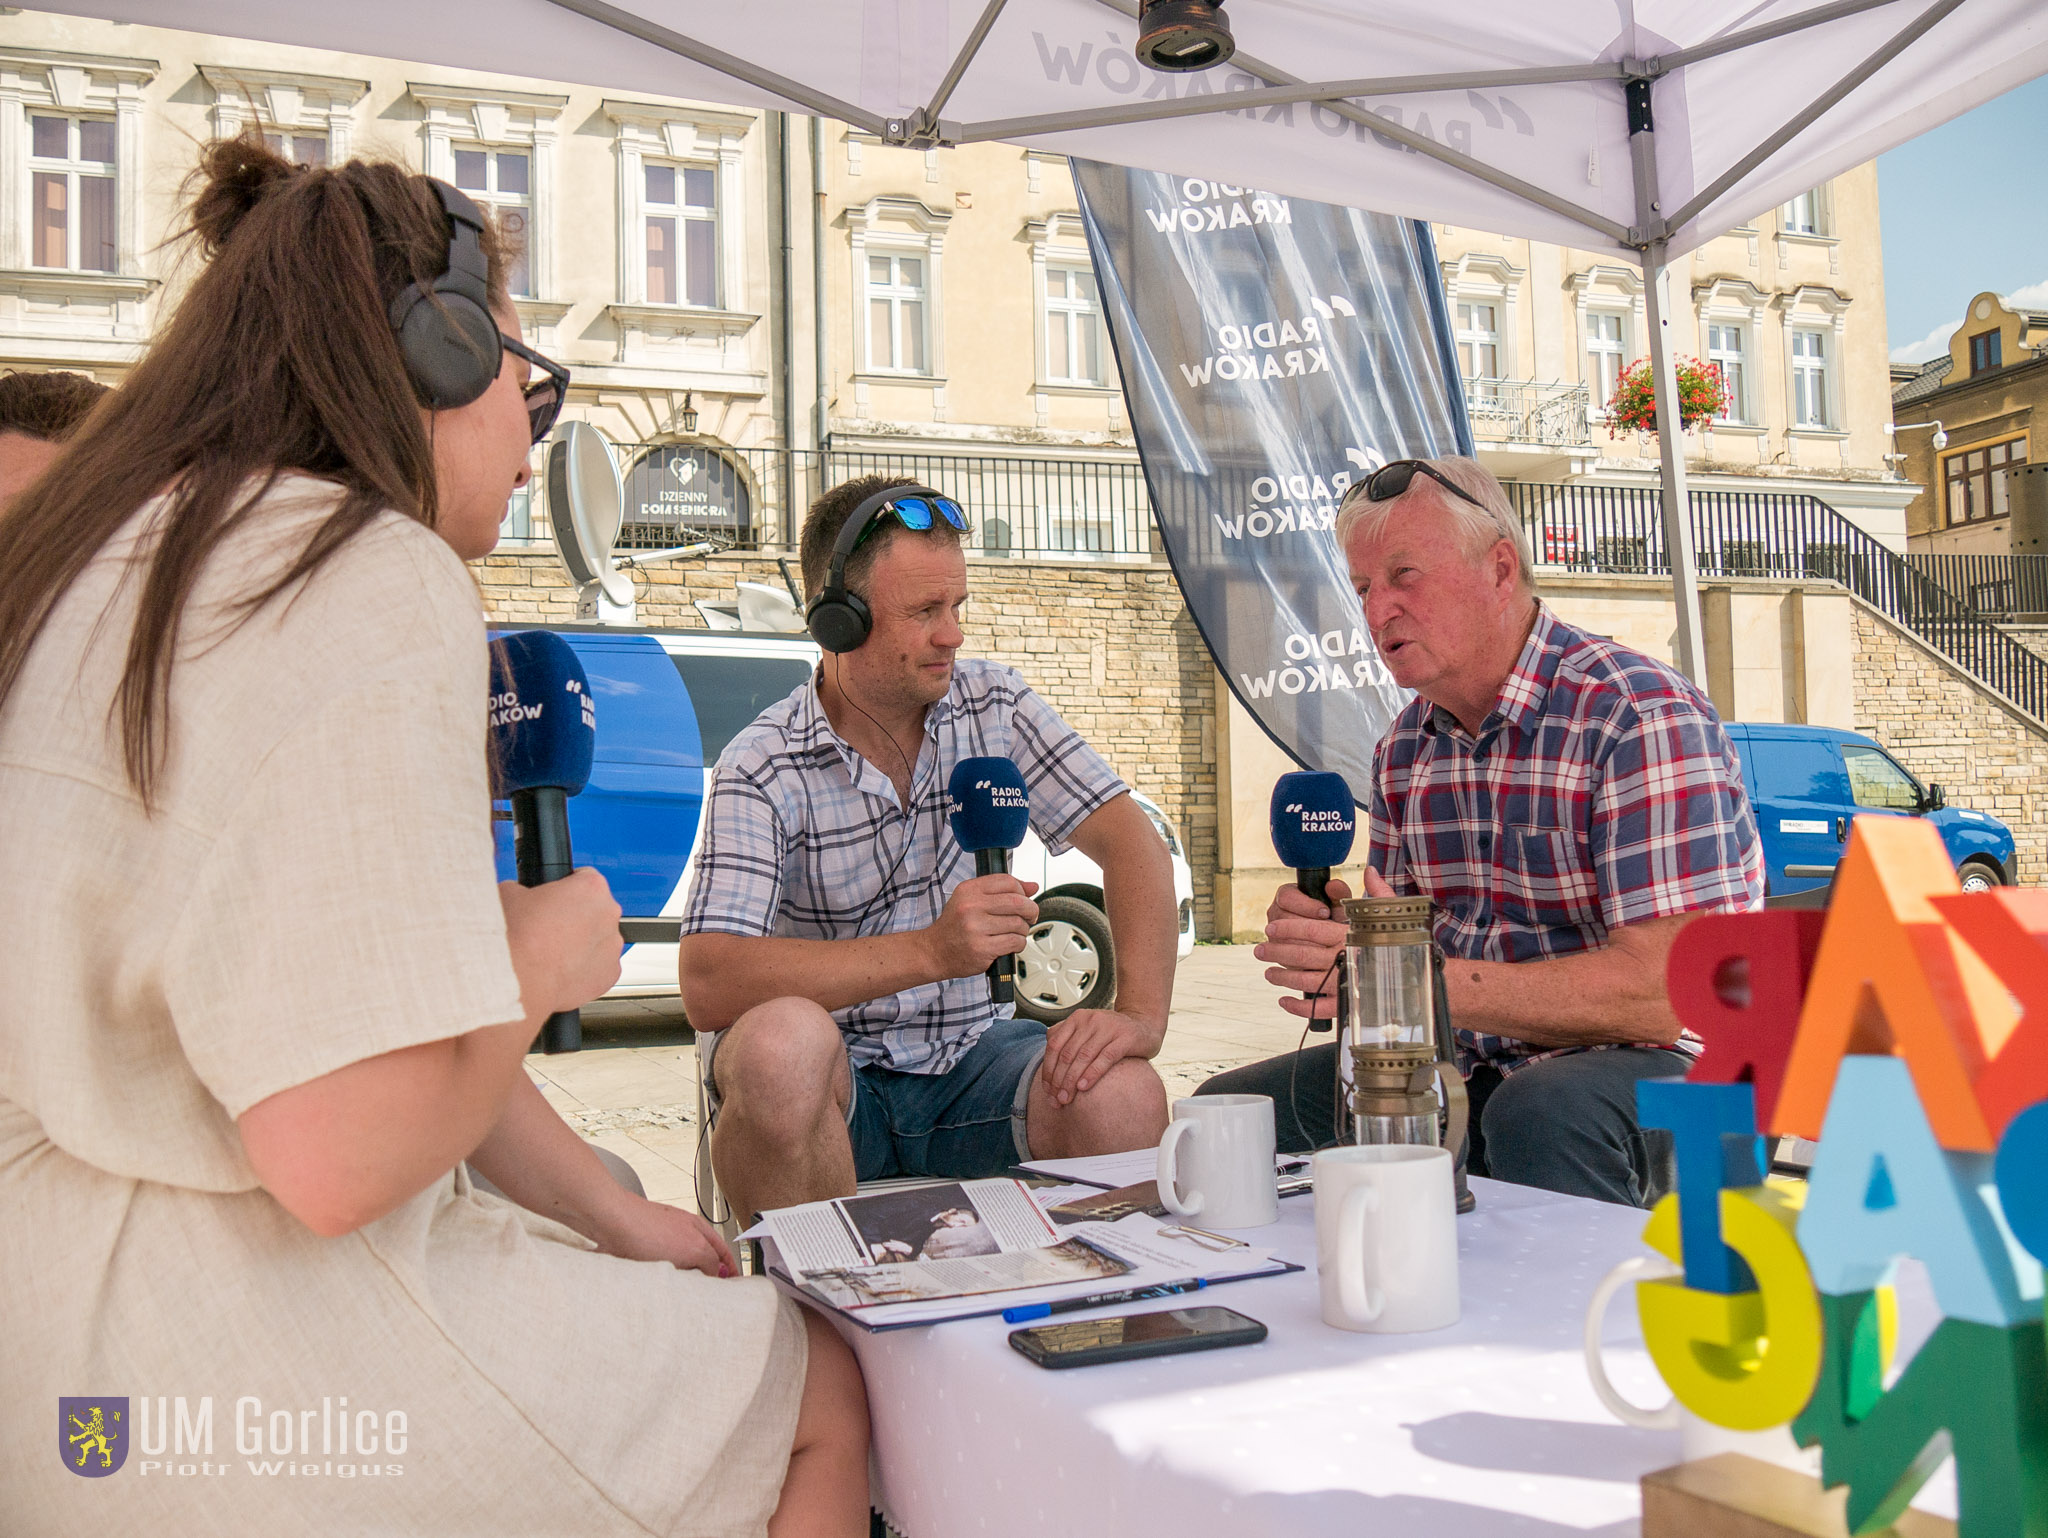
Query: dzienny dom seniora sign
(1273, 351)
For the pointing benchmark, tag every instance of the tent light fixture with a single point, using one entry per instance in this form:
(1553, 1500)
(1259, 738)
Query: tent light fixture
(1175, 36)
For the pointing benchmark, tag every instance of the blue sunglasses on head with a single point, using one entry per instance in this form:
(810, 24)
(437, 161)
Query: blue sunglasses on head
(916, 513)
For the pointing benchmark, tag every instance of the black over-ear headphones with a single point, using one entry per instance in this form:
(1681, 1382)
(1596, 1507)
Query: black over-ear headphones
(837, 619)
(446, 331)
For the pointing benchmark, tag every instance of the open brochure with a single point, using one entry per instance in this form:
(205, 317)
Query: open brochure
(952, 1249)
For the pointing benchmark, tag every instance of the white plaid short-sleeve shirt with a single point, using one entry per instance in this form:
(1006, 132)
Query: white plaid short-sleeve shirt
(805, 839)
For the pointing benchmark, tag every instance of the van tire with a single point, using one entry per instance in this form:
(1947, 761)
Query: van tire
(1069, 962)
(1980, 875)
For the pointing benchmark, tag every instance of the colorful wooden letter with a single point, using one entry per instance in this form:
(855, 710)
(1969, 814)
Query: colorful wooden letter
(1892, 977)
(1881, 1187)
(1746, 1360)
(2009, 929)
(1737, 981)
(2022, 1171)
(1714, 1129)
(1986, 1386)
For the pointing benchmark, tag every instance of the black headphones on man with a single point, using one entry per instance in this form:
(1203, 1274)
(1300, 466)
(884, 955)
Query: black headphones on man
(837, 619)
(446, 332)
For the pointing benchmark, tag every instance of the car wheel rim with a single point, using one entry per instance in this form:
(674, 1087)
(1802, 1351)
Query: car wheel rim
(1977, 881)
(1060, 965)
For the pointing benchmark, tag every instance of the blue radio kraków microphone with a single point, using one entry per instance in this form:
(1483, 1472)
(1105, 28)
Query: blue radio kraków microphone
(543, 733)
(1314, 820)
(991, 811)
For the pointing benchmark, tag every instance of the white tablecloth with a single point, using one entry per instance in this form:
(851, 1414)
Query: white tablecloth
(1489, 1427)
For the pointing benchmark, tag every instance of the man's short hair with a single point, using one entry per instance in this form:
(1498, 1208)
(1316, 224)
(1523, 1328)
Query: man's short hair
(1481, 527)
(48, 406)
(828, 516)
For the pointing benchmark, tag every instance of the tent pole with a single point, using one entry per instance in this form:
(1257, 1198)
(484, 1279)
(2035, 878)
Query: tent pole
(1688, 639)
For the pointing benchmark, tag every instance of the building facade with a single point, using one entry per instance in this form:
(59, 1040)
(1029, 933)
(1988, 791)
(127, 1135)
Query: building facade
(1979, 398)
(755, 306)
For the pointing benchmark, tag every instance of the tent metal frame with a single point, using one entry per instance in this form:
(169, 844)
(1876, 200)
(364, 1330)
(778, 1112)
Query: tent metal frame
(1648, 237)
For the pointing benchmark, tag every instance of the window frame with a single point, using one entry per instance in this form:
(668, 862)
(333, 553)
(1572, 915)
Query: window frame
(75, 169)
(696, 138)
(1600, 391)
(1736, 411)
(895, 296)
(681, 213)
(1468, 335)
(1986, 351)
(1802, 367)
(1074, 315)
(1989, 475)
(492, 201)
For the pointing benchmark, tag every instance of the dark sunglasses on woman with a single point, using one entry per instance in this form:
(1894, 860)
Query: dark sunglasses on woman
(1396, 476)
(544, 397)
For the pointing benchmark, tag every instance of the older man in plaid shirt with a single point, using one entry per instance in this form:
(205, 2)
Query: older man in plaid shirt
(1567, 804)
(836, 937)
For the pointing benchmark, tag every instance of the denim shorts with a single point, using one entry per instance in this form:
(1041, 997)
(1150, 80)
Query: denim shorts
(964, 1123)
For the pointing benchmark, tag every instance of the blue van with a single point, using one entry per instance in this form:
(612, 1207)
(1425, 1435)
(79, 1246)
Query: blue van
(1806, 783)
(668, 702)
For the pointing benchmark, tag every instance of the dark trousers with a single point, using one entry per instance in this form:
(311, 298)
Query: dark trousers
(1565, 1124)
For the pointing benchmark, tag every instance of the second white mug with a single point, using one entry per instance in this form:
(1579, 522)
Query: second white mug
(1386, 1238)
(1216, 1161)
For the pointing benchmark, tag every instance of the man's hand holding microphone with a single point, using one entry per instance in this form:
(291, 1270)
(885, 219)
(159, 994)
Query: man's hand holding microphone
(988, 920)
(1314, 819)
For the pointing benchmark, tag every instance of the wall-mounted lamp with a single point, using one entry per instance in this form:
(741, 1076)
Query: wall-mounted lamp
(686, 419)
(1940, 432)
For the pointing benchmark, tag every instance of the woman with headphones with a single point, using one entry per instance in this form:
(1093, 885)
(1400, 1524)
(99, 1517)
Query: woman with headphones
(262, 996)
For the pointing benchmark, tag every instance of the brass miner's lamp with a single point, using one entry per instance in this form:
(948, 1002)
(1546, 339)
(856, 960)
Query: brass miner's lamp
(1389, 1058)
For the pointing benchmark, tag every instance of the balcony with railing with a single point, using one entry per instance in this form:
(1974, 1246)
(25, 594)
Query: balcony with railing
(1528, 411)
(755, 499)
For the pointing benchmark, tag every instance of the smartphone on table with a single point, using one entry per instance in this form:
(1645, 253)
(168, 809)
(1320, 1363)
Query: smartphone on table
(1126, 1337)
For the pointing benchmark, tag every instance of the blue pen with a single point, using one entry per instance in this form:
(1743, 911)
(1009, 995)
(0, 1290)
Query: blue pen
(1025, 1312)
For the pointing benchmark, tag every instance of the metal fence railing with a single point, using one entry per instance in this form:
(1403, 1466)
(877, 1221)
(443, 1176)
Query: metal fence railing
(1995, 586)
(1527, 411)
(1768, 534)
(755, 499)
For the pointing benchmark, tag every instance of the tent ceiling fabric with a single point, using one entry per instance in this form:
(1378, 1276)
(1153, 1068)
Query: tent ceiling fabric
(1567, 140)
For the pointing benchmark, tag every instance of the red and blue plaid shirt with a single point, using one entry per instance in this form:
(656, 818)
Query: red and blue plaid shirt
(1600, 791)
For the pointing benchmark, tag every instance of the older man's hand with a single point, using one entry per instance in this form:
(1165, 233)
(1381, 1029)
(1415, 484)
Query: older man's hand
(1303, 939)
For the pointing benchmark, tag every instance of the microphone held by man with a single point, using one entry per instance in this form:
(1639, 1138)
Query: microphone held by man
(543, 725)
(1314, 818)
(991, 812)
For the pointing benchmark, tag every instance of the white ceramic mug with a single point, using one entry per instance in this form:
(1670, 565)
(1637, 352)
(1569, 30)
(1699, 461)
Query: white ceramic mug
(1697, 1438)
(1216, 1161)
(1386, 1238)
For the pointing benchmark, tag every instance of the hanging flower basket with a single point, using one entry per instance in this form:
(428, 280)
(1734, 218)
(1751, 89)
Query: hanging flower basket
(1702, 396)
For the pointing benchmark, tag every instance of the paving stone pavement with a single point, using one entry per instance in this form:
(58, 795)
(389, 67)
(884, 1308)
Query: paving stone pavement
(633, 1087)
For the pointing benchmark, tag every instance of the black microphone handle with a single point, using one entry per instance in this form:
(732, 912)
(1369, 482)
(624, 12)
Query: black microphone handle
(1002, 972)
(540, 850)
(1316, 883)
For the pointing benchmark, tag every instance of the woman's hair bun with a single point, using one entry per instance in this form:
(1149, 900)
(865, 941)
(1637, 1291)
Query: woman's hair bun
(235, 175)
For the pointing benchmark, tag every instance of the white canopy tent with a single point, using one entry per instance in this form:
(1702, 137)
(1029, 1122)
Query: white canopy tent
(1643, 126)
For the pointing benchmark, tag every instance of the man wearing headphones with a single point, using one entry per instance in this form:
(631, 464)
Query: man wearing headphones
(836, 938)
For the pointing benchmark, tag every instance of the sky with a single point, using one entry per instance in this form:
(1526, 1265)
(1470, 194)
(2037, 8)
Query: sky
(1962, 213)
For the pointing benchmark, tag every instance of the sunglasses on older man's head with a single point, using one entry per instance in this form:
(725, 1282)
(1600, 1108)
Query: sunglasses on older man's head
(1393, 479)
(544, 396)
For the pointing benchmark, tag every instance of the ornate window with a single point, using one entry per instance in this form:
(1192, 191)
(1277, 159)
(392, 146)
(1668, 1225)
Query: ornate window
(499, 147)
(72, 168)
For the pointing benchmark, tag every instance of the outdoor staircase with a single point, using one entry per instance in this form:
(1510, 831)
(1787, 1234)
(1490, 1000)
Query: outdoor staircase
(1773, 534)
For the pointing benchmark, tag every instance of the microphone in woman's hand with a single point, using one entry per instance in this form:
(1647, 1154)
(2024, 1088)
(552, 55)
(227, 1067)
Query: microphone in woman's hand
(543, 734)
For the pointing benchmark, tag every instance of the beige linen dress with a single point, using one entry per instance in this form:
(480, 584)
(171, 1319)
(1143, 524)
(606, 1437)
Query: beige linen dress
(315, 887)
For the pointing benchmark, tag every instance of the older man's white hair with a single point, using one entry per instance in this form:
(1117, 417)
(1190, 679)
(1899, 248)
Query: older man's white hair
(1480, 527)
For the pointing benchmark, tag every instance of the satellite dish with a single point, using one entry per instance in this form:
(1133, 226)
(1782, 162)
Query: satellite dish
(586, 502)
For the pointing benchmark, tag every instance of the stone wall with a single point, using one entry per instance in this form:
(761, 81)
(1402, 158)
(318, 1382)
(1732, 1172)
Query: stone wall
(1987, 754)
(1111, 647)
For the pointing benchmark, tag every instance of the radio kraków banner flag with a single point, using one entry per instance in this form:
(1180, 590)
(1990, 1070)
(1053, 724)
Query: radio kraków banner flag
(1273, 351)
